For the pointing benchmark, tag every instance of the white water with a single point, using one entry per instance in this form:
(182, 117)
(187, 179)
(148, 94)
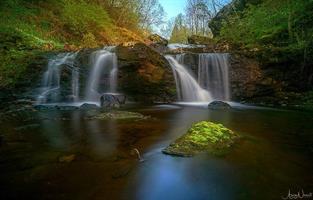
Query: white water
(102, 60)
(213, 74)
(51, 78)
(188, 89)
(75, 84)
(102, 79)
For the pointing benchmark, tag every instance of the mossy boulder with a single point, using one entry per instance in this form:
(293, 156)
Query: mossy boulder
(157, 39)
(203, 136)
(144, 74)
(158, 43)
(197, 39)
(120, 115)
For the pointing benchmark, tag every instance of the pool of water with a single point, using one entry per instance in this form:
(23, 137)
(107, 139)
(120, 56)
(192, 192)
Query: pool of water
(67, 155)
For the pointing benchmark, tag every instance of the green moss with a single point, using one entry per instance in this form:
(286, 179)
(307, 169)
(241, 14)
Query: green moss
(203, 136)
(120, 115)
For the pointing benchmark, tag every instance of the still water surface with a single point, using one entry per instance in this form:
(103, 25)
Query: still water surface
(274, 156)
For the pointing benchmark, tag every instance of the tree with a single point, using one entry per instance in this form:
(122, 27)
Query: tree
(151, 13)
(180, 30)
(198, 15)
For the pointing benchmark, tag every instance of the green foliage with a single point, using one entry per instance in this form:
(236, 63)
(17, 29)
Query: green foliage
(280, 23)
(81, 18)
(29, 26)
(276, 32)
(180, 30)
(89, 40)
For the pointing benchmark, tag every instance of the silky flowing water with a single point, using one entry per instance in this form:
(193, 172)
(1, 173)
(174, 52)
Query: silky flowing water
(274, 157)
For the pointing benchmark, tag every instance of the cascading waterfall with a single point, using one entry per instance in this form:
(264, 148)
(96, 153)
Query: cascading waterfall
(51, 78)
(102, 60)
(213, 74)
(75, 84)
(187, 87)
(59, 87)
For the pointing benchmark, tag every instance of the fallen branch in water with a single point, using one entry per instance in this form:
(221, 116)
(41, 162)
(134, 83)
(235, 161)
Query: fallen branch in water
(138, 155)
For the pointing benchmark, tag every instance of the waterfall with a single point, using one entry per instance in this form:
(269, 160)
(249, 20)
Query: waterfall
(61, 81)
(187, 87)
(103, 61)
(213, 74)
(50, 89)
(75, 84)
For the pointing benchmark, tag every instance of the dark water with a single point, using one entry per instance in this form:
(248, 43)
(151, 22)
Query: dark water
(274, 157)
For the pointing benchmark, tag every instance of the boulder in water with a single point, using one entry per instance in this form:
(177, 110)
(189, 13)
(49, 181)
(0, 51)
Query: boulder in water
(219, 105)
(109, 100)
(203, 136)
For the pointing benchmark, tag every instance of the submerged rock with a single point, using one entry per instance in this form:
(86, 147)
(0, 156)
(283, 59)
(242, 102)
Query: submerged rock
(219, 105)
(67, 159)
(203, 137)
(120, 115)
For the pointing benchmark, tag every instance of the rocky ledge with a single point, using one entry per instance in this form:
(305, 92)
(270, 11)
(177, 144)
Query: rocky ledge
(203, 136)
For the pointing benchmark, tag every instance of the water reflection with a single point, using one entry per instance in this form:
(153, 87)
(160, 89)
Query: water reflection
(102, 141)
(165, 177)
(52, 130)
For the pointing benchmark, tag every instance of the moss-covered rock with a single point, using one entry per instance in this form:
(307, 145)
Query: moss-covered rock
(197, 39)
(120, 115)
(144, 74)
(203, 136)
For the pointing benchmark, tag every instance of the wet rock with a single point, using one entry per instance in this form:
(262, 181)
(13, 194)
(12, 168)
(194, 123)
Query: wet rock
(67, 159)
(66, 107)
(108, 100)
(88, 106)
(144, 75)
(120, 115)
(29, 126)
(203, 137)
(44, 107)
(219, 105)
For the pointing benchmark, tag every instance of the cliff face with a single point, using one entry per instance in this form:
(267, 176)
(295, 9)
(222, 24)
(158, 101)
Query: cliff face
(144, 74)
(271, 43)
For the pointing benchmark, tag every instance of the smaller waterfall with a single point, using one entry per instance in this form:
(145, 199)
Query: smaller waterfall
(113, 75)
(50, 89)
(213, 74)
(102, 60)
(187, 87)
(75, 84)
